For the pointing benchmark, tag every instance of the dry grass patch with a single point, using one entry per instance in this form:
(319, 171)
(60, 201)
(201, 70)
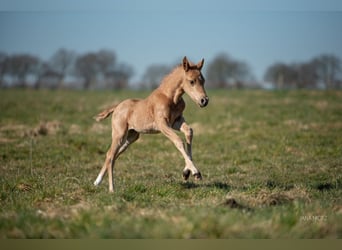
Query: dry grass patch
(267, 198)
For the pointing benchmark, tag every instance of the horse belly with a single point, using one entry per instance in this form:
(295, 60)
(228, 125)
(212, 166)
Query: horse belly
(145, 125)
(142, 120)
(145, 128)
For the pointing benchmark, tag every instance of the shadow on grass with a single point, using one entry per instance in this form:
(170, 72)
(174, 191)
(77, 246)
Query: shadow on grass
(217, 185)
(229, 202)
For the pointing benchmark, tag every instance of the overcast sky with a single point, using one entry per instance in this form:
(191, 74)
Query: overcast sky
(148, 32)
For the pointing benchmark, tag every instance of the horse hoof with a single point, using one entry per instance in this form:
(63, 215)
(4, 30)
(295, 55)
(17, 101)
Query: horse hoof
(198, 176)
(186, 174)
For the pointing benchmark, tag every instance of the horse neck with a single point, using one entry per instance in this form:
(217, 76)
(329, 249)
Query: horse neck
(171, 85)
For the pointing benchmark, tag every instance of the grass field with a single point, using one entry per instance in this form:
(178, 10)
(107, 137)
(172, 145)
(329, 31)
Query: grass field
(271, 164)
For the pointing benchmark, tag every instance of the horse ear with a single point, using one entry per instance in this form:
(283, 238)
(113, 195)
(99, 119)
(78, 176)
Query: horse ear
(186, 65)
(200, 64)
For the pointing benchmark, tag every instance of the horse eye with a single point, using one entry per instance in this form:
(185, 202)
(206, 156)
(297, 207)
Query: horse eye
(192, 82)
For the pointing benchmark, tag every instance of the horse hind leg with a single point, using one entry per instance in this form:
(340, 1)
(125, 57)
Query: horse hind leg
(117, 143)
(108, 165)
(131, 137)
(104, 168)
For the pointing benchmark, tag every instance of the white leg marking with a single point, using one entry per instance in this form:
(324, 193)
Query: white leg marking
(98, 180)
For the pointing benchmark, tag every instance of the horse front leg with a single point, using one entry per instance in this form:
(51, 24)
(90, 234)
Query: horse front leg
(188, 133)
(182, 126)
(169, 133)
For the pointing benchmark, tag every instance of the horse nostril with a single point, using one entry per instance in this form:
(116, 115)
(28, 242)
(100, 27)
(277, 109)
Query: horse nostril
(204, 101)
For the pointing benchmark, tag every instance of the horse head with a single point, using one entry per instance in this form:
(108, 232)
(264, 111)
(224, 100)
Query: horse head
(193, 82)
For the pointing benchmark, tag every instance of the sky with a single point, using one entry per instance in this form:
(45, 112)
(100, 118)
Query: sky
(142, 33)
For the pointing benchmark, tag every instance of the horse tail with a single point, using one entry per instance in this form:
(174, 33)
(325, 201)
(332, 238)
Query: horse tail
(104, 114)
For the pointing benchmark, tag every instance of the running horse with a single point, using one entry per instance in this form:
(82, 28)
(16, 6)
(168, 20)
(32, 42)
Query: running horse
(161, 111)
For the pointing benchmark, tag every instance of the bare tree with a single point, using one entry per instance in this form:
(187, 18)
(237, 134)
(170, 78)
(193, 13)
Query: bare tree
(154, 74)
(323, 69)
(97, 67)
(20, 66)
(94, 68)
(306, 75)
(225, 71)
(281, 75)
(3, 61)
(328, 68)
(119, 77)
(86, 67)
(218, 71)
(106, 60)
(61, 63)
(47, 77)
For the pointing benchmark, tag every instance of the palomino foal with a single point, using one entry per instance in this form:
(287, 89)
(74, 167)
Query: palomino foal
(161, 112)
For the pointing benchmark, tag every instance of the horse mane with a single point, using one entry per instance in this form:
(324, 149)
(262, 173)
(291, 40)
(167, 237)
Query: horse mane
(171, 76)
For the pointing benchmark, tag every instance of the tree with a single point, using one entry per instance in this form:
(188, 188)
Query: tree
(328, 68)
(99, 67)
(61, 63)
(86, 67)
(3, 61)
(20, 66)
(47, 77)
(96, 69)
(281, 75)
(119, 77)
(323, 69)
(306, 75)
(300, 75)
(225, 71)
(106, 60)
(154, 75)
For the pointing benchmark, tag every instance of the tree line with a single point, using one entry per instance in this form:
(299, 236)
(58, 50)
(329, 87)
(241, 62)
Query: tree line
(65, 69)
(323, 71)
(101, 69)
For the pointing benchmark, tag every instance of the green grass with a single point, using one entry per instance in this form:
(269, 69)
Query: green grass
(271, 163)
